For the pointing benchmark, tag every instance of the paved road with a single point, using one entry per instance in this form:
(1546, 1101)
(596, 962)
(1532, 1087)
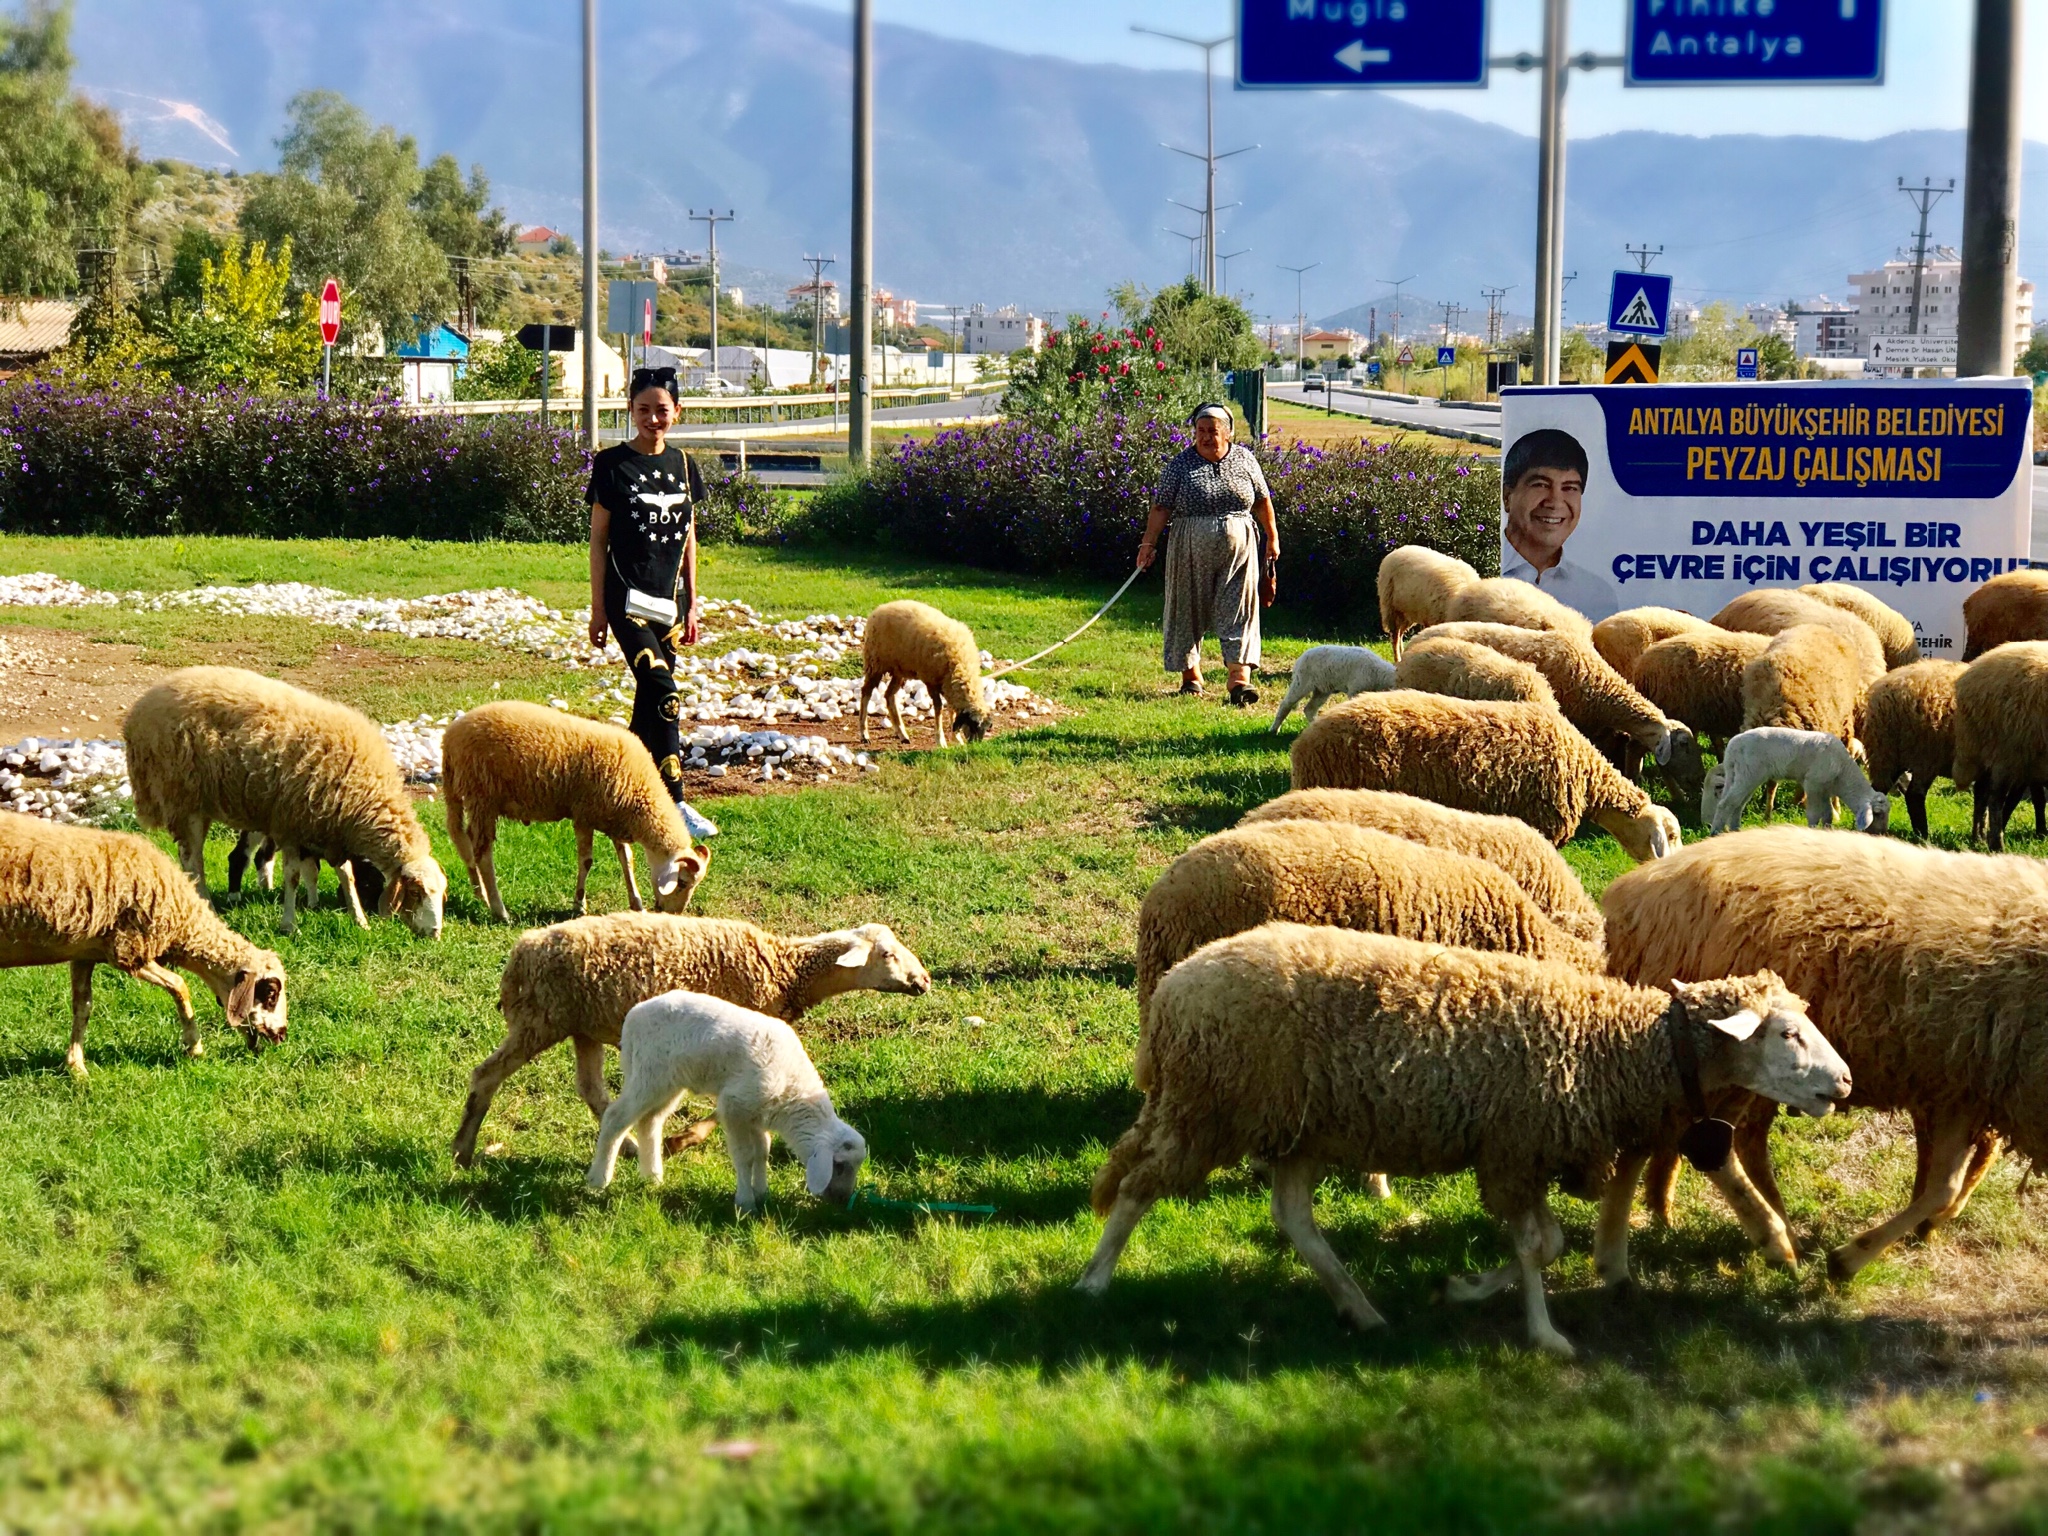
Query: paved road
(1470, 425)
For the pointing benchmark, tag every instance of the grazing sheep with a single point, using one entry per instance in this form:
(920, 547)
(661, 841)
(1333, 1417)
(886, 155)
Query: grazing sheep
(84, 897)
(1772, 610)
(1909, 731)
(1307, 1048)
(1807, 679)
(1501, 841)
(362, 884)
(577, 980)
(1340, 876)
(214, 744)
(1926, 967)
(1623, 637)
(1820, 763)
(1504, 600)
(2002, 735)
(1893, 629)
(754, 1067)
(534, 764)
(1459, 669)
(1591, 694)
(1322, 670)
(1697, 677)
(905, 640)
(1519, 760)
(2011, 606)
(1415, 587)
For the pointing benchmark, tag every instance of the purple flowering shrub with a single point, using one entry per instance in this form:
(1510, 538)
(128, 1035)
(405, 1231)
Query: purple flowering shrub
(1016, 496)
(137, 462)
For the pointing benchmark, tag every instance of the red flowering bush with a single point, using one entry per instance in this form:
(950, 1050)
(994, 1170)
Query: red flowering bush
(1089, 368)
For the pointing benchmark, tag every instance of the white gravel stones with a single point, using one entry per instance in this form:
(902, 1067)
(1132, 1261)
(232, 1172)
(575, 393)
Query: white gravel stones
(69, 781)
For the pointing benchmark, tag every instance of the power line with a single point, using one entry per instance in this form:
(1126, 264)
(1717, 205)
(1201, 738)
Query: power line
(1453, 313)
(1300, 319)
(817, 264)
(1643, 254)
(1923, 197)
(711, 218)
(1493, 297)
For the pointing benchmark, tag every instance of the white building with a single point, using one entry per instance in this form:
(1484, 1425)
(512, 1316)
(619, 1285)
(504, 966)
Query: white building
(1004, 330)
(1823, 329)
(807, 298)
(1884, 302)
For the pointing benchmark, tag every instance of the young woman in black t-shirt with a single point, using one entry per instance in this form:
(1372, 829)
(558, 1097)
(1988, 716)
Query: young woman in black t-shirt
(643, 544)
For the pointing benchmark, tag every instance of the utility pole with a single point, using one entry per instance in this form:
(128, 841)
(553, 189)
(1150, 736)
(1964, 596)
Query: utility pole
(1397, 284)
(1493, 297)
(1208, 157)
(818, 264)
(711, 218)
(1550, 193)
(1226, 259)
(1643, 255)
(1300, 320)
(590, 371)
(859, 418)
(1991, 194)
(1923, 197)
(1453, 313)
(1194, 243)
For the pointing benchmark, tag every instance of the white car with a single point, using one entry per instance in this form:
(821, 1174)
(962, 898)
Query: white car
(1314, 381)
(715, 385)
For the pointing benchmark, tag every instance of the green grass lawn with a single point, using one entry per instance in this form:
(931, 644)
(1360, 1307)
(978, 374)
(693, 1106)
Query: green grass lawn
(248, 1294)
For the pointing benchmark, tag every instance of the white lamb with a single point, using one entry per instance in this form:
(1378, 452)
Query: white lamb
(1323, 670)
(756, 1069)
(1818, 760)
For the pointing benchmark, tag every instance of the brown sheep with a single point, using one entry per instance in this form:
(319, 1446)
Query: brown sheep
(1623, 637)
(1415, 587)
(1806, 679)
(905, 640)
(1893, 629)
(1771, 610)
(2012, 606)
(1504, 600)
(2002, 734)
(1909, 732)
(1459, 669)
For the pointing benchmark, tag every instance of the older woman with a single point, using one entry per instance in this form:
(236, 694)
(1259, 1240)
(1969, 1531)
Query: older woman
(1214, 495)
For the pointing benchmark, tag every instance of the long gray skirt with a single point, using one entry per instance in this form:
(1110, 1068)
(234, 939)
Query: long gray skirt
(1212, 588)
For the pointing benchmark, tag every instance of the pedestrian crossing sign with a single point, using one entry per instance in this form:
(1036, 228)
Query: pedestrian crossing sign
(1633, 362)
(1446, 356)
(1639, 304)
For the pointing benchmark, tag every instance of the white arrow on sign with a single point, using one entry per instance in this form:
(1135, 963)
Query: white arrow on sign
(1354, 56)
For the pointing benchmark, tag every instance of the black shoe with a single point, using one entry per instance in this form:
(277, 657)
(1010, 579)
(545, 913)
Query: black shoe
(1244, 694)
(1189, 686)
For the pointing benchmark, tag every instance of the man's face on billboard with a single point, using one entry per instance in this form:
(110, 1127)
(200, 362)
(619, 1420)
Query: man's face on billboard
(1543, 511)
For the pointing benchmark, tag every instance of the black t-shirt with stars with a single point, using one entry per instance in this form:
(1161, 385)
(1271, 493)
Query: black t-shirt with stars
(652, 499)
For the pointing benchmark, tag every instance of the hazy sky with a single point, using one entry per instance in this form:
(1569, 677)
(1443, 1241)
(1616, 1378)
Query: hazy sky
(1926, 63)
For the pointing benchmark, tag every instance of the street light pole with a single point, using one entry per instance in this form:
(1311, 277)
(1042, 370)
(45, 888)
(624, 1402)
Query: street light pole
(1209, 157)
(859, 422)
(590, 371)
(1550, 193)
(711, 218)
(1991, 194)
(1300, 320)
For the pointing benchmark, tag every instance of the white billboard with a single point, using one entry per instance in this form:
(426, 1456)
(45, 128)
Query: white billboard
(1919, 490)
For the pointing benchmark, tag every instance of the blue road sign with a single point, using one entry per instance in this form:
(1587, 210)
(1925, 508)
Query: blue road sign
(1373, 367)
(1639, 304)
(1745, 362)
(1445, 356)
(1755, 42)
(1316, 44)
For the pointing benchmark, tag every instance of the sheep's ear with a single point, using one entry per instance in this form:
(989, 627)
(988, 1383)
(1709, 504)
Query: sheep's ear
(818, 1167)
(856, 953)
(241, 997)
(1738, 1026)
(1902, 782)
(1664, 748)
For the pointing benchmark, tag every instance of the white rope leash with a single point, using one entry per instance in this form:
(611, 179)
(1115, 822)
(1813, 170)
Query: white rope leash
(1018, 665)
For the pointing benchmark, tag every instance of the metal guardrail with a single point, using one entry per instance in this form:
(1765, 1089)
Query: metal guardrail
(710, 409)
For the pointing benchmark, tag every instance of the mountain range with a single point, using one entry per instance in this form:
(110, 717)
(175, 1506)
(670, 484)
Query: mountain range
(1003, 177)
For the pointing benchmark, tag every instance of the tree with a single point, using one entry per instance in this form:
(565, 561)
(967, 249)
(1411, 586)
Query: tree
(505, 370)
(247, 328)
(461, 220)
(1200, 330)
(67, 179)
(2035, 358)
(346, 196)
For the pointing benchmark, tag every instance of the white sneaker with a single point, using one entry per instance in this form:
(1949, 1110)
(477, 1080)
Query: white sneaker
(700, 826)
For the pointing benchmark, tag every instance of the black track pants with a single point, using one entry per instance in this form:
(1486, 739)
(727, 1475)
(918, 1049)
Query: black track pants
(656, 706)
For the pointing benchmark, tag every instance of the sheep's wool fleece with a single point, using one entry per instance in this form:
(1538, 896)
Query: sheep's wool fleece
(1909, 723)
(1415, 585)
(1502, 841)
(1459, 669)
(2002, 715)
(1806, 679)
(535, 764)
(1893, 629)
(1366, 1051)
(1592, 695)
(2012, 606)
(1504, 600)
(1519, 760)
(1773, 610)
(1926, 969)
(1621, 638)
(80, 890)
(1697, 677)
(909, 639)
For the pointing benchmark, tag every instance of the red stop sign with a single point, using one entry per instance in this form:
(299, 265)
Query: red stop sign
(330, 312)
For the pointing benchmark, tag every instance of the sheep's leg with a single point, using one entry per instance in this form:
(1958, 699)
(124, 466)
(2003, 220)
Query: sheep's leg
(1916, 807)
(938, 696)
(1480, 1283)
(1117, 1228)
(288, 917)
(1983, 1153)
(896, 709)
(484, 1083)
(868, 684)
(149, 971)
(1735, 793)
(611, 1131)
(345, 876)
(238, 861)
(590, 1086)
(1294, 1187)
(191, 835)
(1538, 1242)
(1295, 689)
(2009, 796)
(583, 842)
(1753, 1146)
(81, 1010)
(1314, 706)
(625, 853)
(1951, 1146)
(1659, 1184)
(1610, 1236)
(1377, 1186)
(748, 1145)
(485, 840)
(1762, 1225)
(1820, 807)
(1980, 807)
(2039, 795)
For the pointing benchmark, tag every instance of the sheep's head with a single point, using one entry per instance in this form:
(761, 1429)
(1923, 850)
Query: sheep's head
(1755, 1034)
(675, 879)
(871, 958)
(1875, 814)
(1655, 834)
(1666, 738)
(416, 894)
(971, 724)
(833, 1167)
(253, 1000)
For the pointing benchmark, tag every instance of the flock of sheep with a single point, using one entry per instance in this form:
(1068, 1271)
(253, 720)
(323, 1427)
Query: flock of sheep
(1389, 969)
